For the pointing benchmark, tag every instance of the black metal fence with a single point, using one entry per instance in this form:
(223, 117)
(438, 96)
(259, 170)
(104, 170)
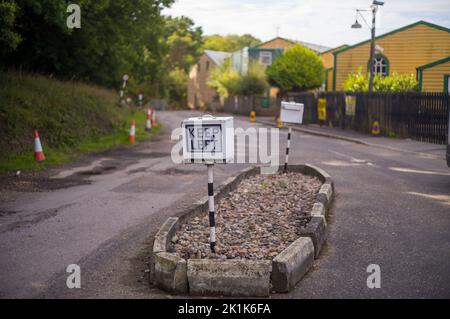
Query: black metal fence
(419, 116)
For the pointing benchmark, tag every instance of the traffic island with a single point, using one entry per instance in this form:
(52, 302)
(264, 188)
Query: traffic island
(269, 229)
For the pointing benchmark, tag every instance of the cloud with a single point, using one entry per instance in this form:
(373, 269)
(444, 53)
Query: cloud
(318, 21)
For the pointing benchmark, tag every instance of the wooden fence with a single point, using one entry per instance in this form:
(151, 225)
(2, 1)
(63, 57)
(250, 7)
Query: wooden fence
(419, 116)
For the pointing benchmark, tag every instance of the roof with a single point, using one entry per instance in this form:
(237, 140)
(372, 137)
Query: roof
(430, 65)
(421, 22)
(315, 47)
(217, 56)
(335, 49)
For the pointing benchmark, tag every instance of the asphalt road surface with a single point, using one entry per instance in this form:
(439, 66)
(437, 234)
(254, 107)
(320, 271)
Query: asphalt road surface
(392, 209)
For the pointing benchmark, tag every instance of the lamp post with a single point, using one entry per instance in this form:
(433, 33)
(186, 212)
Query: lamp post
(357, 25)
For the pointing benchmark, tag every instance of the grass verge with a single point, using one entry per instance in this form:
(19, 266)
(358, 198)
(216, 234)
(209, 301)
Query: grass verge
(72, 118)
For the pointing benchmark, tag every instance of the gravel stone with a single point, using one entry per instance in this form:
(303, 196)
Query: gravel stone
(258, 220)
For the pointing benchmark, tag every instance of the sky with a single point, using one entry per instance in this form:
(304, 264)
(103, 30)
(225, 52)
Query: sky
(324, 22)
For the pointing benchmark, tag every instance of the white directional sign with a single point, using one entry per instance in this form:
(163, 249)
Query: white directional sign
(208, 139)
(125, 77)
(292, 112)
(141, 97)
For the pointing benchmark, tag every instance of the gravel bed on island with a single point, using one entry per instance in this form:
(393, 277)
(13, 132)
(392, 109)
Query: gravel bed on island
(258, 220)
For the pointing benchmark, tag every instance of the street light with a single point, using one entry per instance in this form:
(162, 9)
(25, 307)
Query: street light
(357, 25)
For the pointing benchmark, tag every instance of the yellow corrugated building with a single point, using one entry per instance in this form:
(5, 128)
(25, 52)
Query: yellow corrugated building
(328, 61)
(420, 48)
(435, 76)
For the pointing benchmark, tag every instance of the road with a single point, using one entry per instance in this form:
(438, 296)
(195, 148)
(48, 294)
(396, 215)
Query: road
(391, 209)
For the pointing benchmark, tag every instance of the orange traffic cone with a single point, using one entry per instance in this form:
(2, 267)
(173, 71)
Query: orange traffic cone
(38, 152)
(153, 117)
(148, 125)
(132, 135)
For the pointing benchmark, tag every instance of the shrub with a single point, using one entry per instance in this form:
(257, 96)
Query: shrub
(254, 82)
(227, 81)
(224, 79)
(358, 82)
(297, 69)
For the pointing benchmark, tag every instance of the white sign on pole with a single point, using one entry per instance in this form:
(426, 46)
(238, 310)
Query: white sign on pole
(292, 112)
(208, 139)
(125, 77)
(141, 97)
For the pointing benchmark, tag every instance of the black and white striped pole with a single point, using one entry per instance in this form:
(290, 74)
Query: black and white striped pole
(288, 146)
(140, 97)
(290, 113)
(124, 84)
(208, 140)
(212, 214)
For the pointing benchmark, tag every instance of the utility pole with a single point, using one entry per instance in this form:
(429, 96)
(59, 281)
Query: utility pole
(372, 48)
(357, 25)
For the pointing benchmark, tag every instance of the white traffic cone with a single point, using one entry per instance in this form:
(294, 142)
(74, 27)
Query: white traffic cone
(148, 125)
(132, 135)
(38, 152)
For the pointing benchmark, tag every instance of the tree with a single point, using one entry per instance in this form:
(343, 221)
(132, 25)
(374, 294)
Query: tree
(183, 45)
(9, 38)
(229, 43)
(116, 38)
(253, 82)
(224, 79)
(177, 87)
(298, 69)
(184, 41)
(227, 81)
(101, 51)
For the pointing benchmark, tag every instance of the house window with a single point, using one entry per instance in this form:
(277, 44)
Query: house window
(265, 57)
(380, 65)
(207, 65)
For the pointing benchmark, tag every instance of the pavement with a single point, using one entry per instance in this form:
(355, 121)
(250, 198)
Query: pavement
(391, 209)
(396, 144)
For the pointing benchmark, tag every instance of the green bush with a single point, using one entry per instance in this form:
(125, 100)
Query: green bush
(227, 81)
(296, 70)
(224, 79)
(254, 82)
(176, 81)
(358, 82)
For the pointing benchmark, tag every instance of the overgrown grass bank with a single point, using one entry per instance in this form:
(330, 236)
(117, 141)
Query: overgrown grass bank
(71, 118)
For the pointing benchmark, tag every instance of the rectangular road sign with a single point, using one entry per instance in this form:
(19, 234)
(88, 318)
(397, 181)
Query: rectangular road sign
(292, 112)
(208, 139)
